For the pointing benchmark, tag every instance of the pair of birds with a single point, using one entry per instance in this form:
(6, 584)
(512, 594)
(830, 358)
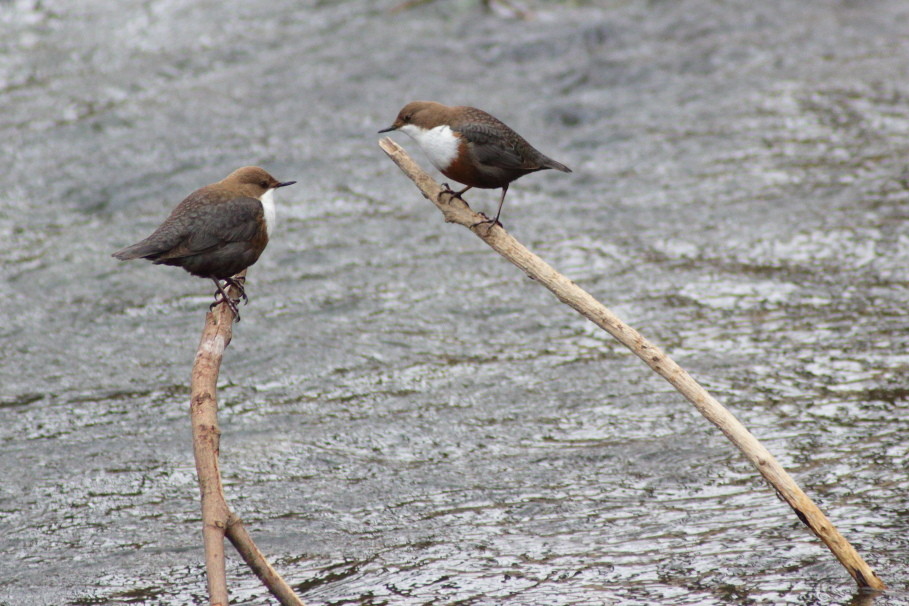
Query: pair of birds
(222, 228)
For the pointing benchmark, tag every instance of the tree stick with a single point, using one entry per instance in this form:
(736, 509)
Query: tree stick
(456, 210)
(218, 520)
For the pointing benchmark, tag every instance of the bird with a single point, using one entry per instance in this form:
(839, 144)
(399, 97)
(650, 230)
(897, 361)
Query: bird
(216, 232)
(471, 147)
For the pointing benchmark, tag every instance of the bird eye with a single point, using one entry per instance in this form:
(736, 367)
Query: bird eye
(408, 117)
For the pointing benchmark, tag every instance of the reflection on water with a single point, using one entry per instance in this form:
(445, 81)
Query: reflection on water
(406, 418)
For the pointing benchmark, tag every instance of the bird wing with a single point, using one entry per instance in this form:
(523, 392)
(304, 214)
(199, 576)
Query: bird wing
(490, 148)
(234, 219)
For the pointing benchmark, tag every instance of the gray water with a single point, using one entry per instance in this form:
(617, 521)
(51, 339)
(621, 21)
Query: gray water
(407, 419)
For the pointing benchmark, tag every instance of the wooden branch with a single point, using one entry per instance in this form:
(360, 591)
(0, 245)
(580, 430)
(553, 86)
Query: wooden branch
(206, 437)
(218, 520)
(455, 210)
(244, 544)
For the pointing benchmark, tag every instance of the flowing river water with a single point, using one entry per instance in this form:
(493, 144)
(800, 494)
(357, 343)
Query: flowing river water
(407, 419)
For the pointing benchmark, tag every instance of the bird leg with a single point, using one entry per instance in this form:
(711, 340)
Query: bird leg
(495, 221)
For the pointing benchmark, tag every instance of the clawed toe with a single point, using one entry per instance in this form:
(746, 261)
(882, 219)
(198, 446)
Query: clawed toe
(221, 296)
(446, 189)
(487, 221)
(231, 303)
(240, 285)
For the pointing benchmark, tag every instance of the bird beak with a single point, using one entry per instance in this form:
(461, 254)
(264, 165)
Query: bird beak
(392, 127)
(285, 184)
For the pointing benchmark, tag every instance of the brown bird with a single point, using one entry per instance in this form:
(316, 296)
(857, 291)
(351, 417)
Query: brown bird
(217, 231)
(470, 146)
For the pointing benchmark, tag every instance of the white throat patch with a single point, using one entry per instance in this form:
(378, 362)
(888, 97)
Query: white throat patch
(439, 144)
(268, 206)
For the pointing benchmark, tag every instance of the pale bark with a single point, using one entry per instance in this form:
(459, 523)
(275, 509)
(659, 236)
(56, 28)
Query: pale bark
(218, 520)
(455, 210)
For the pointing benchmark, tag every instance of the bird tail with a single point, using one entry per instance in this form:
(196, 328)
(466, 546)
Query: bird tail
(550, 163)
(142, 249)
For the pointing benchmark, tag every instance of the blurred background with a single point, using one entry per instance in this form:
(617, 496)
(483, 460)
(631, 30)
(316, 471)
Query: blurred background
(407, 419)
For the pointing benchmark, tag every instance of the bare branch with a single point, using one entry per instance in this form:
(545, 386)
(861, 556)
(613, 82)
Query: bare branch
(218, 520)
(456, 211)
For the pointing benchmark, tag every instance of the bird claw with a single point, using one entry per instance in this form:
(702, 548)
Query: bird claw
(446, 189)
(239, 284)
(487, 221)
(231, 304)
(221, 296)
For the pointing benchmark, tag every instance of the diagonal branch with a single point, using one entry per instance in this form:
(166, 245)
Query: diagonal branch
(455, 210)
(218, 520)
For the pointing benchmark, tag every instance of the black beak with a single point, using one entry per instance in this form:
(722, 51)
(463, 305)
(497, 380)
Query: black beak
(392, 127)
(285, 184)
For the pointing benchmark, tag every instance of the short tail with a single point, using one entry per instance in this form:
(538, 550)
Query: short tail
(139, 250)
(550, 163)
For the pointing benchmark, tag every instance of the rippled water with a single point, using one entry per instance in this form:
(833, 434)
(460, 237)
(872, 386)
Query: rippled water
(407, 419)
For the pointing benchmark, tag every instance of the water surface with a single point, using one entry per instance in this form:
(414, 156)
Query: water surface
(407, 419)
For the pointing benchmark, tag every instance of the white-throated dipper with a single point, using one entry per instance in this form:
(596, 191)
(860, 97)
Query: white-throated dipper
(217, 231)
(470, 146)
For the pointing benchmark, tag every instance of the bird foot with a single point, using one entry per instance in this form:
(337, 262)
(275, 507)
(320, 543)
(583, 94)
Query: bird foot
(231, 303)
(240, 284)
(221, 296)
(487, 221)
(454, 194)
